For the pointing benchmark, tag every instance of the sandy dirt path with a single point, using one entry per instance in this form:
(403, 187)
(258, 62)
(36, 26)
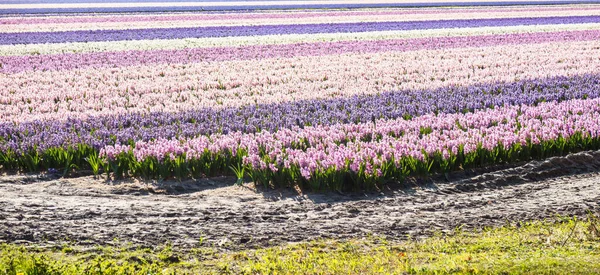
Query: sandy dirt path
(83, 211)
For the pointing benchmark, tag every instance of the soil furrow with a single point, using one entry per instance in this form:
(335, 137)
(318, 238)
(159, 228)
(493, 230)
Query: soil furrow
(39, 209)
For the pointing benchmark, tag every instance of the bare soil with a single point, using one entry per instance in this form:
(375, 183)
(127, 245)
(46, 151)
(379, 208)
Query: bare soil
(42, 210)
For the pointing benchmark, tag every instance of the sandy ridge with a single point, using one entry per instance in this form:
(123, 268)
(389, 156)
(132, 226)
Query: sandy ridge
(40, 210)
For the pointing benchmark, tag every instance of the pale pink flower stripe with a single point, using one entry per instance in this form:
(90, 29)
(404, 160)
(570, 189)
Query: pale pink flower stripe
(341, 147)
(187, 21)
(81, 93)
(280, 15)
(17, 64)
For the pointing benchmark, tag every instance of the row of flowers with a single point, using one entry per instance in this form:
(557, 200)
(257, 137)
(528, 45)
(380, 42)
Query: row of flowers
(362, 155)
(306, 14)
(180, 87)
(135, 57)
(233, 31)
(371, 152)
(189, 43)
(40, 137)
(116, 22)
(67, 6)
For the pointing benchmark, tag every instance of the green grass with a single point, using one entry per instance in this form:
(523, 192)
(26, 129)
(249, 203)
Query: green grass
(569, 246)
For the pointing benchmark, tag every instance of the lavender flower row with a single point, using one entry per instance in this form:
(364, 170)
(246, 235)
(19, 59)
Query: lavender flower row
(231, 31)
(121, 129)
(16, 64)
(382, 149)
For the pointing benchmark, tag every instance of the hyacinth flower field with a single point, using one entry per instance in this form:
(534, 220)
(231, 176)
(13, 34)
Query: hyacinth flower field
(321, 99)
(299, 137)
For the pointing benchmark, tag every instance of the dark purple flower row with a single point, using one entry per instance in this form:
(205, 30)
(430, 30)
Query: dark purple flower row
(121, 129)
(229, 31)
(15, 64)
